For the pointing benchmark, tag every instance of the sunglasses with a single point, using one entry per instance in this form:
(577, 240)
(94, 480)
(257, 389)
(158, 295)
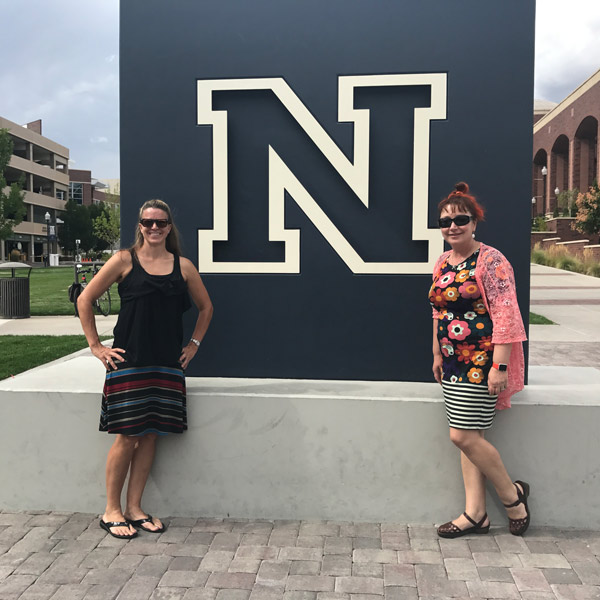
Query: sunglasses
(459, 220)
(160, 223)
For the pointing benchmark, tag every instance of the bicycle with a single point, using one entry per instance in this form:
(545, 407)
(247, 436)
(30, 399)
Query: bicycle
(103, 304)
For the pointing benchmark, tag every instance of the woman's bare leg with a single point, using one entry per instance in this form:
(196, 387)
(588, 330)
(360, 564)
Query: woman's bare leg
(487, 459)
(117, 464)
(141, 463)
(475, 495)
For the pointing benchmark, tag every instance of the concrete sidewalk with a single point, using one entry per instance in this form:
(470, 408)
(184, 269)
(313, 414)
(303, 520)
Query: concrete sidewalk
(572, 301)
(60, 325)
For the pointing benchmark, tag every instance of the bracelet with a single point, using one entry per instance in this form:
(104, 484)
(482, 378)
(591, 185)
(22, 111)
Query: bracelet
(196, 342)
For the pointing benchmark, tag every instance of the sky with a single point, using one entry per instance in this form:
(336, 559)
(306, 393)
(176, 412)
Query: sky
(65, 70)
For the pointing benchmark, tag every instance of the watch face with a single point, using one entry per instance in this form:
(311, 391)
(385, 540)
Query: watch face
(502, 367)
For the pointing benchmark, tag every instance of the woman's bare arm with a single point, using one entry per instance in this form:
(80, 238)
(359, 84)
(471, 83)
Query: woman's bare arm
(205, 309)
(114, 270)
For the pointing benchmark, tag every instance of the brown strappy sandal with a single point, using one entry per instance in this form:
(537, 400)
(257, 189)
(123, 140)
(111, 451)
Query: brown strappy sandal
(519, 526)
(450, 530)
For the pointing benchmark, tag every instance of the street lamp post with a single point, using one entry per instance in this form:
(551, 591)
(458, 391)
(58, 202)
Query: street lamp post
(556, 193)
(47, 259)
(533, 201)
(544, 173)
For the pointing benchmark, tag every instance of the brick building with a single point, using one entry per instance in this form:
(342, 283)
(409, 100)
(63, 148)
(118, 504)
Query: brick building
(565, 146)
(84, 189)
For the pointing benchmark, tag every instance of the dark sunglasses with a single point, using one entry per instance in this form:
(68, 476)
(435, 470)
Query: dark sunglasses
(459, 220)
(160, 223)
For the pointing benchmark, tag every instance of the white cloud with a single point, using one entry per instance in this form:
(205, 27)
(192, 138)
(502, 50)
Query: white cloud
(567, 46)
(99, 140)
(77, 93)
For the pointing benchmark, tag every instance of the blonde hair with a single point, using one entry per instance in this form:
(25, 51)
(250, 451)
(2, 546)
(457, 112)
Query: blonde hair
(172, 242)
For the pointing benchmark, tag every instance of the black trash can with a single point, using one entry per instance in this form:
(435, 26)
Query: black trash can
(14, 291)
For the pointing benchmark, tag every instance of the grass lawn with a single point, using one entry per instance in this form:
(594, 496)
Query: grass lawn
(19, 353)
(539, 320)
(49, 292)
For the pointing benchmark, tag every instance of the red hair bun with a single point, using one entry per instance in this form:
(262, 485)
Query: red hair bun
(462, 187)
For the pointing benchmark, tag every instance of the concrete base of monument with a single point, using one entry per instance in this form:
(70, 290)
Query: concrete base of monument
(296, 449)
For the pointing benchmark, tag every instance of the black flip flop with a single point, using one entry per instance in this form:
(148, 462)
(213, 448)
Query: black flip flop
(139, 524)
(107, 526)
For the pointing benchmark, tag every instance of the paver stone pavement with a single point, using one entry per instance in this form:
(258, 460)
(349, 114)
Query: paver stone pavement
(45, 555)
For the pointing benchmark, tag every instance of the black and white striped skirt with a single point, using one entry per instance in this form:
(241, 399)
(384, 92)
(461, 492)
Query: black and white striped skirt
(469, 405)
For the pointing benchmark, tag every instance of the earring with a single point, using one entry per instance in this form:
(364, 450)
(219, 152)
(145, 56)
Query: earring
(473, 235)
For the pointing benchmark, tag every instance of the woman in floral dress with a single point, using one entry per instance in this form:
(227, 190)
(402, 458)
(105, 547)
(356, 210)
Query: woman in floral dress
(477, 359)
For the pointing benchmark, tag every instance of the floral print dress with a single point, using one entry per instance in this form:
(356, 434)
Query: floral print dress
(464, 333)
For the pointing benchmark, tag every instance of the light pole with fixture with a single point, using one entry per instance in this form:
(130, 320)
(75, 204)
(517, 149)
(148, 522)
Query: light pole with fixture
(534, 208)
(47, 257)
(544, 173)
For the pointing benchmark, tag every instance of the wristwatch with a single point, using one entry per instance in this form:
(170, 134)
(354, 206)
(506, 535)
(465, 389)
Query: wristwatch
(500, 366)
(195, 341)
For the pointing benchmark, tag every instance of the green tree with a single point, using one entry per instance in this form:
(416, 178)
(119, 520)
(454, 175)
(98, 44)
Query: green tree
(587, 220)
(77, 225)
(539, 224)
(107, 226)
(12, 207)
(95, 211)
(566, 201)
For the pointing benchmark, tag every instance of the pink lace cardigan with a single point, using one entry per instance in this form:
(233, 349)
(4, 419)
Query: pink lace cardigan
(495, 278)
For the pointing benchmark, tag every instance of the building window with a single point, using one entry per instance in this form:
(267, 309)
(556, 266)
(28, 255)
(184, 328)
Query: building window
(76, 192)
(60, 194)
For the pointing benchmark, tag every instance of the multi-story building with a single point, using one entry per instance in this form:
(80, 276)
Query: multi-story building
(565, 146)
(43, 166)
(84, 189)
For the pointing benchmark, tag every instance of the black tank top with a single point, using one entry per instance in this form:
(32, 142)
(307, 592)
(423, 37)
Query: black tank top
(149, 327)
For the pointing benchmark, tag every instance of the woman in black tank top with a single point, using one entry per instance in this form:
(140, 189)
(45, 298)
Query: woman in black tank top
(144, 389)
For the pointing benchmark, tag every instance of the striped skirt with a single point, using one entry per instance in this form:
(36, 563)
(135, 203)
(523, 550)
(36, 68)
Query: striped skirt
(469, 405)
(141, 400)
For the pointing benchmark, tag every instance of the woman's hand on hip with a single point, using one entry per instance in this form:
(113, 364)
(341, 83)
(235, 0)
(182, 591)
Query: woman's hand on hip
(187, 354)
(107, 356)
(497, 381)
(437, 367)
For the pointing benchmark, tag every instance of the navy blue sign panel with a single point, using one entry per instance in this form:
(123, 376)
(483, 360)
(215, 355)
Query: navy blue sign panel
(304, 147)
